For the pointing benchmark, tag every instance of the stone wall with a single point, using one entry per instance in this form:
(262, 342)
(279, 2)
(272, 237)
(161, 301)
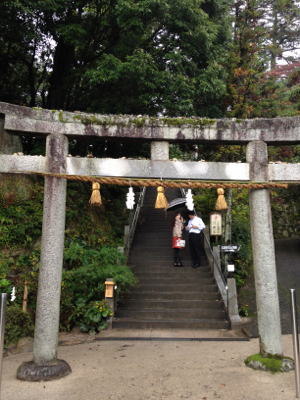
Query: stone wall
(286, 218)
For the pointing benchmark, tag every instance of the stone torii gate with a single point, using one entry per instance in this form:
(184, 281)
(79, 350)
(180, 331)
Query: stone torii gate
(59, 125)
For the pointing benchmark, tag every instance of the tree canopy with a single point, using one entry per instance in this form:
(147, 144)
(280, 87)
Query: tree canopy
(208, 58)
(115, 56)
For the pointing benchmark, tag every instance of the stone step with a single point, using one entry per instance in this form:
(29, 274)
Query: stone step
(180, 314)
(157, 236)
(165, 255)
(142, 229)
(167, 296)
(159, 245)
(154, 257)
(170, 304)
(160, 264)
(172, 296)
(140, 266)
(159, 239)
(190, 280)
(178, 273)
(154, 222)
(192, 288)
(130, 323)
(149, 210)
(170, 269)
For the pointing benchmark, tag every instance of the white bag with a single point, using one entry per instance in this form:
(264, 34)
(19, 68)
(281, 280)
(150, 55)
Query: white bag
(181, 243)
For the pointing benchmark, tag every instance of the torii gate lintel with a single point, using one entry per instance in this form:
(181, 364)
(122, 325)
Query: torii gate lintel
(27, 121)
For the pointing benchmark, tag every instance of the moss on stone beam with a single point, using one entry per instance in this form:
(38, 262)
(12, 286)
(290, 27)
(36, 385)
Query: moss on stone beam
(202, 122)
(61, 118)
(272, 363)
(139, 122)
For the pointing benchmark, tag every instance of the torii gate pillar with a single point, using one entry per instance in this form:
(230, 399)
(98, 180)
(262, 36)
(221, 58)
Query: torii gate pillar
(45, 365)
(264, 253)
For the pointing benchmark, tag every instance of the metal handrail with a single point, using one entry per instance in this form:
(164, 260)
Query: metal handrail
(134, 221)
(218, 266)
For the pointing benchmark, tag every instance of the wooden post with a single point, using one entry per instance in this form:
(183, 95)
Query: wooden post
(25, 296)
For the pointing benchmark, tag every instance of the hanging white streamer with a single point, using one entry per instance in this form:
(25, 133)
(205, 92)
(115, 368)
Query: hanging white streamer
(130, 199)
(189, 200)
(13, 294)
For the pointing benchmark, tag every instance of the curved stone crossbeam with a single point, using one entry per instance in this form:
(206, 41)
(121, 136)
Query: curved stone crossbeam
(24, 120)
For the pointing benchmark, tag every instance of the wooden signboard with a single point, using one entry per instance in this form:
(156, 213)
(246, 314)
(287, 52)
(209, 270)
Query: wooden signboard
(109, 289)
(215, 224)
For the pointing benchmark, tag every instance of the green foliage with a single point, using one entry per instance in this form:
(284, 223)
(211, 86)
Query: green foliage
(5, 285)
(285, 206)
(245, 61)
(243, 311)
(5, 262)
(21, 221)
(86, 270)
(28, 262)
(17, 325)
(90, 316)
(241, 234)
(145, 57)
(205, 201)
(95, 225)
(90, 248)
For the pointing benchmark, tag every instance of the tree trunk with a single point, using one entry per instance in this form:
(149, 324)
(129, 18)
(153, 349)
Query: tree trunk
(274, 39)
(61, 77)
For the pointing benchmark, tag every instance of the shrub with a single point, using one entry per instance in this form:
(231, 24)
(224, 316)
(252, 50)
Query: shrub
(90, 317)
(17, 325)
(93, 268)
(84, 276)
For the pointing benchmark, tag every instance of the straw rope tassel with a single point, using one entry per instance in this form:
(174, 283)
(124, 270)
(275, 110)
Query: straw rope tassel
(161, 201)
(95, 199)
(221, 202)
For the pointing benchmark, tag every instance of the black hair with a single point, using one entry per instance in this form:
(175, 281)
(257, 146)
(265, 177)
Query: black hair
(174, 219)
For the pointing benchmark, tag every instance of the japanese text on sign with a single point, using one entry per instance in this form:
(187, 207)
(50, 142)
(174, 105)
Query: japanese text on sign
(230, 248)
(215, 224)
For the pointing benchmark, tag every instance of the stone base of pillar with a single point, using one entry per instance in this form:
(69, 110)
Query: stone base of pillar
(271, 363)
(55, 369)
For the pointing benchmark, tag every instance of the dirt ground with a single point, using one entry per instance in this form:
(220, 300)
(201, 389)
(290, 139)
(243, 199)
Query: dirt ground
(155, 370)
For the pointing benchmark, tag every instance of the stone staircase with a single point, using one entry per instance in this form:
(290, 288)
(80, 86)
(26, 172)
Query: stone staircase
(167, 296)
